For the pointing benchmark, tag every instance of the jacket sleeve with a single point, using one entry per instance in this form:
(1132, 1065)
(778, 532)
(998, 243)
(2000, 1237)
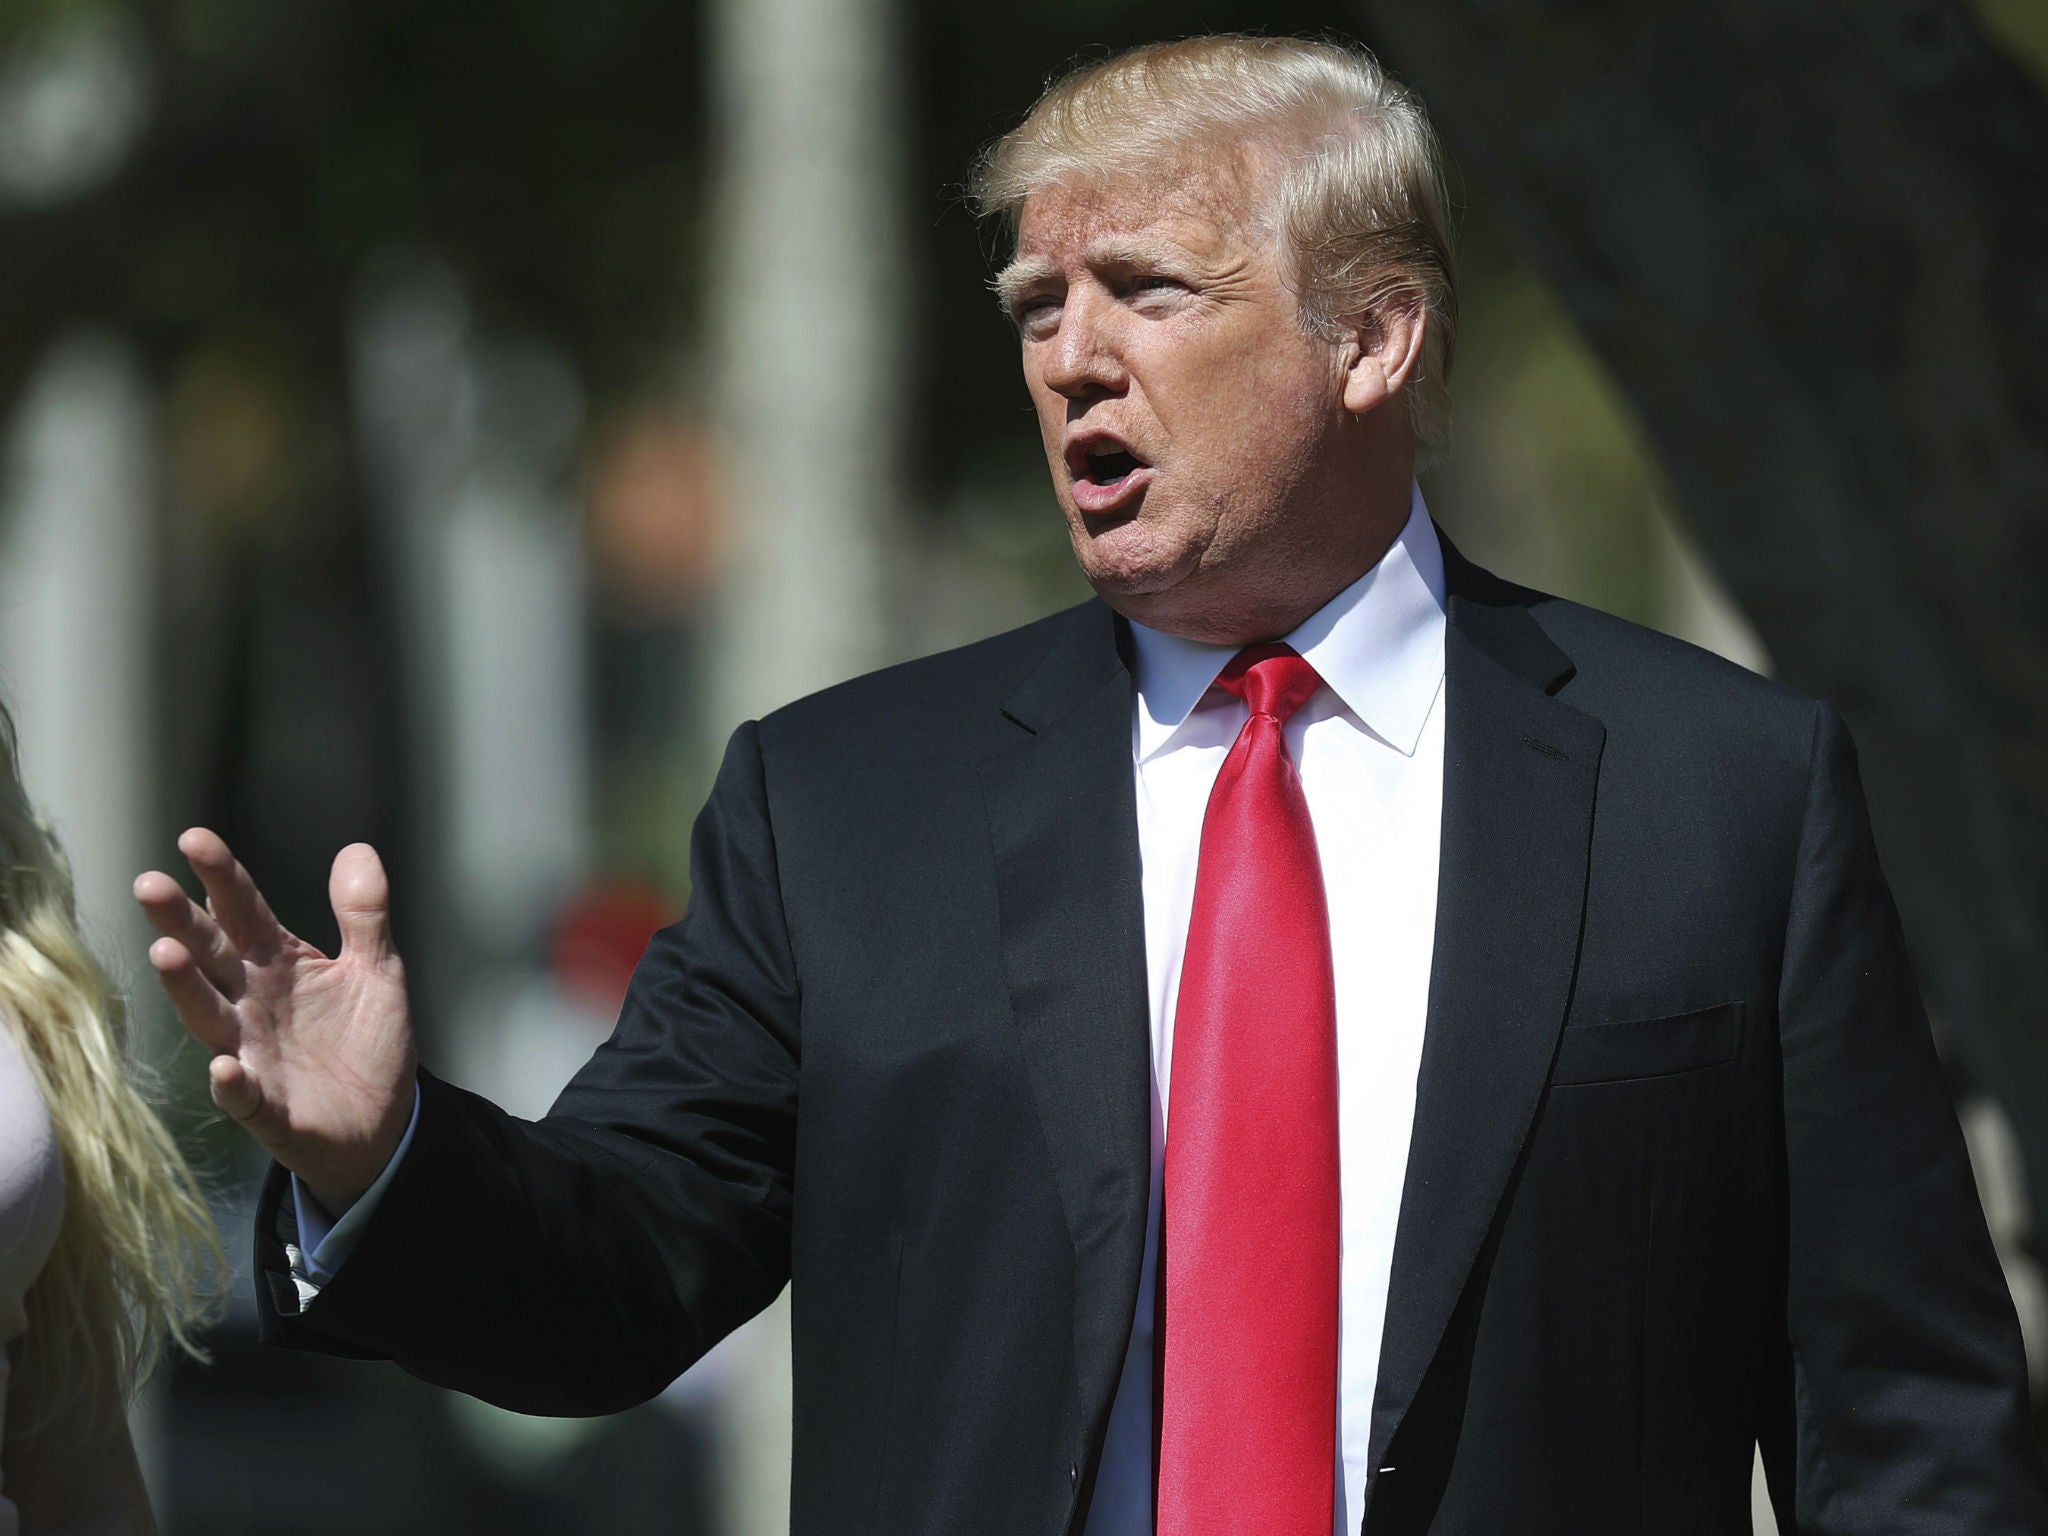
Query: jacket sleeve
(1901, 1398)
(576, 1264)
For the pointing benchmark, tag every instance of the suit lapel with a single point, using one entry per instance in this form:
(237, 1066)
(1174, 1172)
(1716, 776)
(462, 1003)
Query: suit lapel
(1063, 816)
(1520, 769)
(1519, 774)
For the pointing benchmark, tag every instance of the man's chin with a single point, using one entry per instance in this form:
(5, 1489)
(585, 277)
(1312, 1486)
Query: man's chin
(1134, 571)
(1132, 591)
(1132, 584)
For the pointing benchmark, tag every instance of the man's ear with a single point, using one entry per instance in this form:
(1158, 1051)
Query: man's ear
(1382, 356)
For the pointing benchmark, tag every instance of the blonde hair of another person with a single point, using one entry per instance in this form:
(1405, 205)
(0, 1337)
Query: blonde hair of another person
(1359, 202)
(137, 1257)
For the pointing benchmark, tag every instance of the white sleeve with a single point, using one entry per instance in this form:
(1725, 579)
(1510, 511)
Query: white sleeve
(324, 1244)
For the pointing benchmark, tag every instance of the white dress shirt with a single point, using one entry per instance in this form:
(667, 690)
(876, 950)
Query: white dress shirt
(1369, 746)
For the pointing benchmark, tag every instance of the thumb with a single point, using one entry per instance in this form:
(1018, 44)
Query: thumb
(233, 1089)
(361, 896)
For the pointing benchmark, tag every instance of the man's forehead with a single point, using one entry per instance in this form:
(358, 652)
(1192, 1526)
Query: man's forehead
(1197, 211)
(1135, 244)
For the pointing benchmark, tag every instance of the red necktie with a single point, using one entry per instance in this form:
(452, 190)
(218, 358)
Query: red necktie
(1248, 1405)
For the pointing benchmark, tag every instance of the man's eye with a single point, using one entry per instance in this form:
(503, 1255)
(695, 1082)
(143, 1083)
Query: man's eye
(1035, 316)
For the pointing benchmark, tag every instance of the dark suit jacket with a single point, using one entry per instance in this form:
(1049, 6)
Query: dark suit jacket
(1684, 1173)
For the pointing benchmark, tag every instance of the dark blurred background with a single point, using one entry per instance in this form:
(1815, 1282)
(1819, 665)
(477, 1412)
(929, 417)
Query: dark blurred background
(439, 425)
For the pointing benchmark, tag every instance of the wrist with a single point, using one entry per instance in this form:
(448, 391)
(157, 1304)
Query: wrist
(336, 1184)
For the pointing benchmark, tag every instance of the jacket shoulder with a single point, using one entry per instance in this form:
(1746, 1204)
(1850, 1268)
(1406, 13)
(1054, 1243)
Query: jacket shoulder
(1642, 681)
(953, 696)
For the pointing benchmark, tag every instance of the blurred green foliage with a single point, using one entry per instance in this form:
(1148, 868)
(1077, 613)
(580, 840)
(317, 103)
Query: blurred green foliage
(2020, 27)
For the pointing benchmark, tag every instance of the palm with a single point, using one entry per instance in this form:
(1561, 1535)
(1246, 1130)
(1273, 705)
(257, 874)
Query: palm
(311, 1024)
(314, 1054)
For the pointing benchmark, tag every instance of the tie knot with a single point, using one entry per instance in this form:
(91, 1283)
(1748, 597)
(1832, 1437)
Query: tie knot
(1272, 679)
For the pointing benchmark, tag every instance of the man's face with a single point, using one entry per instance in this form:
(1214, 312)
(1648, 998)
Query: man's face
(1186, 414)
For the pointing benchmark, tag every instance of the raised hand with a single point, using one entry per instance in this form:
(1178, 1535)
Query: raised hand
(313, 1055)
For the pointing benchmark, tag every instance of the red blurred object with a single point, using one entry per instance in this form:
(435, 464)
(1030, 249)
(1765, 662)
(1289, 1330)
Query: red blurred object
(600, 936)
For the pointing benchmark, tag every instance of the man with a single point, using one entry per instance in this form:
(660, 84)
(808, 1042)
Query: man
(1318, 1039)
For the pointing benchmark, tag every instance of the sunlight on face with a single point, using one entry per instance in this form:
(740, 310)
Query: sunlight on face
(1186, 412)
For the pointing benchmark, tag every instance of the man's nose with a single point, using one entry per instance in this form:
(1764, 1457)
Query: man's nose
(1084, 357)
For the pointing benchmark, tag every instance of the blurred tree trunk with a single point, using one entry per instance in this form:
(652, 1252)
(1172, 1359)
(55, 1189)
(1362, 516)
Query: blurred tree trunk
(1807, 242)
(806, 378)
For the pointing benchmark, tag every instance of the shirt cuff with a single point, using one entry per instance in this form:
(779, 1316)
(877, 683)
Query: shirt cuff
(324, 1243)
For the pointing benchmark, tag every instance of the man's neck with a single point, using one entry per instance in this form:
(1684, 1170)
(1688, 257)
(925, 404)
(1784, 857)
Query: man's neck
(1268, 602)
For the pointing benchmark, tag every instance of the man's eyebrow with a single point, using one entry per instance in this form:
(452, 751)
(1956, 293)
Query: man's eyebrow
(1016, 279)
(1117, 254)
(1011, 283)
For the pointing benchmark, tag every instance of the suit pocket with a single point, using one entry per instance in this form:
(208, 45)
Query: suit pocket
(1636, 1048)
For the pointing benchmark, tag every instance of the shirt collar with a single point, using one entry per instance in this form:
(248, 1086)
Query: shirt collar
(1378, 645)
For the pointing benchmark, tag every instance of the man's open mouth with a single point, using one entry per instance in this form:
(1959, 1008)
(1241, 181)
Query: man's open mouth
(1107, 475)
(1111, 465)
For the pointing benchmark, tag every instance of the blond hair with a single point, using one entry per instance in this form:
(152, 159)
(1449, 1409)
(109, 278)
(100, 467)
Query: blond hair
(1359, 202)
(137, 1258)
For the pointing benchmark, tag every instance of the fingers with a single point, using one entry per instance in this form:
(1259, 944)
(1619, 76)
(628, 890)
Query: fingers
(201, 1008)
(174, 915)
(244, 916)
(361, 895)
